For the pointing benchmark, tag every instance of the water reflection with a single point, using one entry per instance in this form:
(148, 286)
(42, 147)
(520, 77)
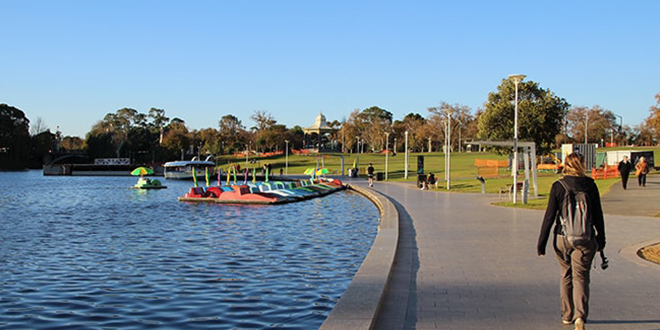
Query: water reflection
(82, 253)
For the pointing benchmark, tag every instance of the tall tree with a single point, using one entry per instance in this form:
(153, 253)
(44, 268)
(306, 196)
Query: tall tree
(118, 126)
(652, 122)
(231, 130)
(263, 120)
(413, 123)
(461, 117)
(38, 127)
(372, 123)
(540, 115)
(159, 121)
(14, 137)
(595, 123)
(177, 138)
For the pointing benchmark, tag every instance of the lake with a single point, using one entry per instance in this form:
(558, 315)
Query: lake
(90, 253)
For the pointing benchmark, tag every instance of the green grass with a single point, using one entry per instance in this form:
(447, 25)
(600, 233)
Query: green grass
(463, 171)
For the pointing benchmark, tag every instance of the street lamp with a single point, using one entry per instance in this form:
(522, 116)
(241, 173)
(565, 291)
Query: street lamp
(286, 166)
(405, 170)
(586, 125)
(516, 78)
(620, 124)
(247, 153)
(387, 153)
(448, 111)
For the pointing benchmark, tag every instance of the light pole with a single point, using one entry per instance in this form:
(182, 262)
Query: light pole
(387, 153)
(343, 139)
(286, 166)
(516, 78)
(448, 111)
(247, 153)
(405, 170)
(586, 125)
(620, 124)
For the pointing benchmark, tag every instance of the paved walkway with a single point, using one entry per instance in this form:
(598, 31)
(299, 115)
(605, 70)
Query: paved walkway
(464, 264)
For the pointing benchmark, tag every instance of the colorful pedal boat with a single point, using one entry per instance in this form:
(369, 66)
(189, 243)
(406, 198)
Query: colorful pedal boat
(262, 193)
(146, 183)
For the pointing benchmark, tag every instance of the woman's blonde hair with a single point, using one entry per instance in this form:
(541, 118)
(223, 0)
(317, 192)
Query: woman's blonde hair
(574, 165)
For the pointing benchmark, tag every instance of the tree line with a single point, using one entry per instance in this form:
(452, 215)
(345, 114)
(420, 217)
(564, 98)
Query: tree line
(153, 137)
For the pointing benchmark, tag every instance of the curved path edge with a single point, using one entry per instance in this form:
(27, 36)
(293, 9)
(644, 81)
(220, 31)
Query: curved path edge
(359, 305)
(630, 253)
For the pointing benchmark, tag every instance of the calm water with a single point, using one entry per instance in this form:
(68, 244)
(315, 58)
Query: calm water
(89, 253)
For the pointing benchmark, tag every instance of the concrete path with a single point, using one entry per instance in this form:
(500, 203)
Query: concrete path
(464, 264)
(636, 200)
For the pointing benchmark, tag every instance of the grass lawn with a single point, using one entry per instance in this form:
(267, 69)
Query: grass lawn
(463, 172)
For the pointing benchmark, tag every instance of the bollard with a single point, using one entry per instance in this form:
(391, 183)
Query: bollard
(483, 184)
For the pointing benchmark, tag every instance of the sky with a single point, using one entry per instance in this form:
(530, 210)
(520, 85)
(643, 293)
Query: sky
(71, 62)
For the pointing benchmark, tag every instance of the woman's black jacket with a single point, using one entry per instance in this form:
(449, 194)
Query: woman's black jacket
(579, 183)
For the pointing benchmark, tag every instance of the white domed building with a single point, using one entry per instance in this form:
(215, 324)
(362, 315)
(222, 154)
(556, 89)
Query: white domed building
(317, 137)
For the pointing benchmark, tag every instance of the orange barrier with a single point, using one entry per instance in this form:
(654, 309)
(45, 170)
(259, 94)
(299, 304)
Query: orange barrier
(488, 172)
(552, 167)
(605, 172)
(489, 168)
(491, 163)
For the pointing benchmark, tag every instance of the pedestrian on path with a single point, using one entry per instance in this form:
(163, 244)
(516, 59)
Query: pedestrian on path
(370, 174)
(624, 170)
(642, 168)
(575, 259)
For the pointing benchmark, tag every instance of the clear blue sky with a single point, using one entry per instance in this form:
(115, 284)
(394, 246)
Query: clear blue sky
(72, 62)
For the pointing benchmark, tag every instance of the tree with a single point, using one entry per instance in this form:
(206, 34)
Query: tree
(540, 115)
(38, 127)
(652, 122)
(14, 137)
(231, 130)
(413, 123)
(460, 119)
(263, 119)
(350, 131)
(159, 122)
(71, 143)
(42, 144)
(263, 135)
(372, 123)
(177, 139)
(598, 122)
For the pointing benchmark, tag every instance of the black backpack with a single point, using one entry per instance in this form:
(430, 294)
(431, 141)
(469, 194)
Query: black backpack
(575, 217)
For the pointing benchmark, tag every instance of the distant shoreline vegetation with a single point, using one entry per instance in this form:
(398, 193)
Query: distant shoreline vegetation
(154, 138)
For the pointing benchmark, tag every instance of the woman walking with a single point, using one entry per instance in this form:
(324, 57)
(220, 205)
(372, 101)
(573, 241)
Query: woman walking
(642, 170)
(574, 260)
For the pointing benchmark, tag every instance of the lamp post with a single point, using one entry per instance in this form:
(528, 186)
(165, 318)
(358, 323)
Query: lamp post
(387, 153)
(448, 111)
(586, 125)
(247, 154)
(286, 166)
(620, 124)
(516, 78)
(405, 170)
